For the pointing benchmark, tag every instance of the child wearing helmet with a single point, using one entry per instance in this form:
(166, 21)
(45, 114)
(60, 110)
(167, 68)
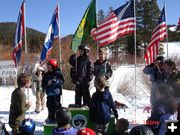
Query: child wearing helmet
(52, 84)
(27, 127)
(19, 102)
(40, 93)
(63, 117)
(86, 131)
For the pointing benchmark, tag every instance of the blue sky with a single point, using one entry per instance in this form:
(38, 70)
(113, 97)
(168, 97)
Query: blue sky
(39, 12)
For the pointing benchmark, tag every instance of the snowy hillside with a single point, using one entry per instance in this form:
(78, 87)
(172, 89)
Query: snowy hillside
(173, 49)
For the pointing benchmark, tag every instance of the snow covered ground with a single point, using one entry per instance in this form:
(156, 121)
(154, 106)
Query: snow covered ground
(173, 49)
(134, 112)
(68, 98)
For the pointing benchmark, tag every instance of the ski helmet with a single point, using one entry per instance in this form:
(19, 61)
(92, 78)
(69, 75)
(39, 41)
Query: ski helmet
(86, 131)
(53, 63)
(63, 116)
(141, 130)
(28, 126)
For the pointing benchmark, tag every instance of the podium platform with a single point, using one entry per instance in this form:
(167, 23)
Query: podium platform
(80, 119)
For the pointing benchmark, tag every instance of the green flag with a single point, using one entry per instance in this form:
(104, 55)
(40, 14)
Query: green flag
(84, 29)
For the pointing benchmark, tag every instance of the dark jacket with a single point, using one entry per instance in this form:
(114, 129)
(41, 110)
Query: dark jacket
(18, 107)
(103, 69)
(83, 74)
(155, 75)
(56, 78)
(63, 131)
(100, 107)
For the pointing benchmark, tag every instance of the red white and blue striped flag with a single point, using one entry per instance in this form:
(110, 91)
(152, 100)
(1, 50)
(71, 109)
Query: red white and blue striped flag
(53, 32)
(119, 23)
(158, 35)
(20, 33)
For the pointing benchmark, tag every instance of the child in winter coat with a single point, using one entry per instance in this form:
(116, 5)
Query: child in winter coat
(52, 84)
(101, 105)
(19, 103)
(63, 118)
(40, 93)
(102, 67)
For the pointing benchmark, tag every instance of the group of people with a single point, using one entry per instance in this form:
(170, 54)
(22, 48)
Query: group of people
(50, 83)
(165, 93)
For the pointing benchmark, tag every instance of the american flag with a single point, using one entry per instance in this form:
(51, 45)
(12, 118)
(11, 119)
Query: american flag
(158, 35)
(53, 32)
(119, 23)
(20, 33)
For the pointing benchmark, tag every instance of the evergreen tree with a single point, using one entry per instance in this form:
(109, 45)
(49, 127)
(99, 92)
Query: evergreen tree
(147, 15)
(101, 16)
(110, 11)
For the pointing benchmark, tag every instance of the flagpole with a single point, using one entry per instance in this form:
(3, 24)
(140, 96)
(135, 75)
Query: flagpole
(166, 30)
(97, 48)
(26, 52)
(59, 40)
(60, 47)
(135, 60)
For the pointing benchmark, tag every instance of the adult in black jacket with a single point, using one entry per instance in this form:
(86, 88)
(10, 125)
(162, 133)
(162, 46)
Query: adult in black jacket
(51, 83)
(81, 75)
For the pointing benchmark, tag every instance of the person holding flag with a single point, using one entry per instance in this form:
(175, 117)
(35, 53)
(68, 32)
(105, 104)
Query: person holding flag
(82, 67)
(82, 75)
